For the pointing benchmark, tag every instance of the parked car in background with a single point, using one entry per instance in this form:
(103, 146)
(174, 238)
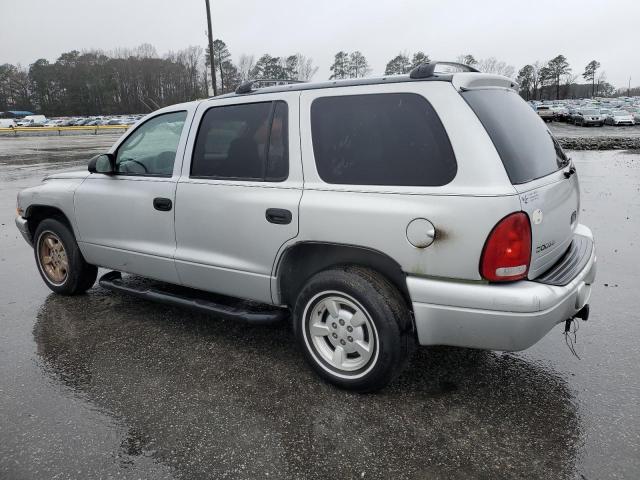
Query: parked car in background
(561, 113)
(586, 118)
(619, 117)
(573, 111)
(7, 123)
(33, 121)
(482, 244)
(545, 112)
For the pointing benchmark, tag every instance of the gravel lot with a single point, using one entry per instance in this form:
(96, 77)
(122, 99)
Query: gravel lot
(106, 386)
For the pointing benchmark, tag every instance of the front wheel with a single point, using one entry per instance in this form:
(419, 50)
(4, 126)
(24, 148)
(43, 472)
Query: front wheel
(60, 262)
(354, 328)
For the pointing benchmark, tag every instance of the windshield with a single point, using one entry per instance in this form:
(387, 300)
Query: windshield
(620, 112)
(590, 112)
(525, 145)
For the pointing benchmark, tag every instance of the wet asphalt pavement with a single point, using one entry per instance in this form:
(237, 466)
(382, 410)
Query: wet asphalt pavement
(106, 386)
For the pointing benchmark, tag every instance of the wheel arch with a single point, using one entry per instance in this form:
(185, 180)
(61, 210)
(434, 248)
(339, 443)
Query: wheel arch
(301, 261)
(37, 213)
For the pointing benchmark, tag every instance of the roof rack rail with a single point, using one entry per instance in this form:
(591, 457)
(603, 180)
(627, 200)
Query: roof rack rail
(247, 87)
(427, 69)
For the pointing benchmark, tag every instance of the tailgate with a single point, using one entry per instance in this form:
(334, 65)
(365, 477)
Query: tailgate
(538, 169)
(552, 204)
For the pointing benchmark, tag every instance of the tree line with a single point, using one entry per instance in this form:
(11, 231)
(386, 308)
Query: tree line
(135, 80)
(555, 79)
(138, 80)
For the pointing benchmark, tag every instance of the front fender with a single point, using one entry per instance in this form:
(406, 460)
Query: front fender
(53, 193)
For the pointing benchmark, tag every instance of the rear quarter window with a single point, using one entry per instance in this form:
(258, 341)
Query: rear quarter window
(525, 145)
(393, 139)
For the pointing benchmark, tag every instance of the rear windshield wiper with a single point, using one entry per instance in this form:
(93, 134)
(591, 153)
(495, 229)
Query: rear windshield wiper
(571, 171)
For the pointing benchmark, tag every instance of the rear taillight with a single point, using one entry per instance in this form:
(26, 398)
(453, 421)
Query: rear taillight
(507, 252)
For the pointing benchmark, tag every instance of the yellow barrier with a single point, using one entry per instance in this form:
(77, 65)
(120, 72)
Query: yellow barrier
(93, 128)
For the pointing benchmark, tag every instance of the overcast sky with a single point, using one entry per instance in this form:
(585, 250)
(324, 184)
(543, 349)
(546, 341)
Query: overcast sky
(517, 32)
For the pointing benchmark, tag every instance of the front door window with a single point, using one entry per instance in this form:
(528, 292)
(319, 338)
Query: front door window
(151, 149)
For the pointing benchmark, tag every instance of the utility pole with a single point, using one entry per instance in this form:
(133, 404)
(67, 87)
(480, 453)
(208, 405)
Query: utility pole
(213, 68)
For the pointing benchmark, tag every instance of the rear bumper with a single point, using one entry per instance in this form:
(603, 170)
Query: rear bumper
(23, 226)
(510, 317)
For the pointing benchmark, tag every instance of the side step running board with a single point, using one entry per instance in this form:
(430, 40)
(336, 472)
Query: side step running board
(196, 300)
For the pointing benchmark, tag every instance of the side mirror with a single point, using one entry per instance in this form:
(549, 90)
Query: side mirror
(103, 163)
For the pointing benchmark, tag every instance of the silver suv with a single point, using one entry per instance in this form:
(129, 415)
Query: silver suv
(431, 208)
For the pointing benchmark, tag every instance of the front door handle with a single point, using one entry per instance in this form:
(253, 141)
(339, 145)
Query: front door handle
(162, 204)
(279, 216)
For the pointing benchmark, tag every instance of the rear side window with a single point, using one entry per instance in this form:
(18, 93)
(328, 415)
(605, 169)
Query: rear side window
(525, 145)
(380, 139)
(243, 142)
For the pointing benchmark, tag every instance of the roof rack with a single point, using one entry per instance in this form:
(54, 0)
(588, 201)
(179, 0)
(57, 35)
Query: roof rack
(427, 69)
(424, 72)
(247, 87)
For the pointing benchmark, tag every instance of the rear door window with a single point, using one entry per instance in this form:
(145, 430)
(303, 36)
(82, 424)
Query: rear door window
(525, 145)
(391, 139)
(243, 142)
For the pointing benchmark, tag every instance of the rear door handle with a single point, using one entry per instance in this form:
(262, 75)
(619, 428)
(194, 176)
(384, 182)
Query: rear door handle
(162, 204)
(279, 216)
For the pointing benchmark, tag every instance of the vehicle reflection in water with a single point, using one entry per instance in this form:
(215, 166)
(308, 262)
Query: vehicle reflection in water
(212, 398)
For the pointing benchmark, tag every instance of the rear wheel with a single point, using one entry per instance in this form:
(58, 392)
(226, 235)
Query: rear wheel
(60, 262)
(354, 328)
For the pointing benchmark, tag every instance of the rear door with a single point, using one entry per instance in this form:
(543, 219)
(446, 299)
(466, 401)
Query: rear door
(538, 169)
(237, 199)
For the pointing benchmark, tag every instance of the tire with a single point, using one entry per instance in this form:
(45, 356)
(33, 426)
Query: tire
(374, 349)
(59, 260)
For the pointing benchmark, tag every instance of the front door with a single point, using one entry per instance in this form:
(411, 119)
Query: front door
(237, 200)
(125, 220)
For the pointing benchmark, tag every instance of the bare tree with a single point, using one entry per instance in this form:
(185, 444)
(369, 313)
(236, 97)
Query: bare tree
(306, 69)
(191, 58)
(601, 80)
(535, 78)
(568, 79)
(146, 50)
(245, 65)
(495, 66)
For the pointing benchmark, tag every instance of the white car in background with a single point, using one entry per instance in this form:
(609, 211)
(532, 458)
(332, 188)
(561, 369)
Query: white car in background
(619, 117)
(7, 123)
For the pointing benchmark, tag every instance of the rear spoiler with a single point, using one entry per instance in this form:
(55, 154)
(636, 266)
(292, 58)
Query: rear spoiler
(470, 80)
